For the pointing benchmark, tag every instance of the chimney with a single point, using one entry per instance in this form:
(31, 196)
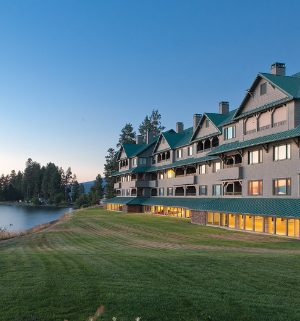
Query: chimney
(278, 69)
(139, 139)
(179, 127)
(223, 107)
(196, 121)
(149, 137)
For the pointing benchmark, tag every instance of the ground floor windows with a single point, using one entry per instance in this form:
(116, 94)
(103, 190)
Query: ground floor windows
(256, 223)
(168, 210)
(115, 207)
(203, 190)
(170, 191)
(161, 191)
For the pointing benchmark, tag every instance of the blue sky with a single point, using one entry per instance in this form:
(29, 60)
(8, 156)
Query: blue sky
(74, 72)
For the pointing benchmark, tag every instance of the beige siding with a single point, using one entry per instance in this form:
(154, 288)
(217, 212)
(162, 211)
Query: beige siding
(280, 114)
(265, 119)
(163, 145)
(206, 131)
(258, 100)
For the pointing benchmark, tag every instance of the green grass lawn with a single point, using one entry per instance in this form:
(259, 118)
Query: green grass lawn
(158, 268)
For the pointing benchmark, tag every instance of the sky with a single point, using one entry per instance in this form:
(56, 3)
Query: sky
(74, 72)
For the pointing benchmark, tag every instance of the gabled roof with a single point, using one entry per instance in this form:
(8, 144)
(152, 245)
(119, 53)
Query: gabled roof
(280, 207)
(218, 120)
(289, 85)
(175, 139)
(292, 133)
(132, 150)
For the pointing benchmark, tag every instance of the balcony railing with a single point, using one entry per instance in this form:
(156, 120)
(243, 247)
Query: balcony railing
(248, 132)
(232, 193)
(279, 123)
(232, 165)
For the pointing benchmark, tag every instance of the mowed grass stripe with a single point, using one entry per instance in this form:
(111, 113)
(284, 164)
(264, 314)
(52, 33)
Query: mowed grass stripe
(158, 268)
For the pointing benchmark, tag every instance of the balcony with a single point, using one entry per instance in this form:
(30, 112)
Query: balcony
(145, 184)
(230, 173)
(183, 180)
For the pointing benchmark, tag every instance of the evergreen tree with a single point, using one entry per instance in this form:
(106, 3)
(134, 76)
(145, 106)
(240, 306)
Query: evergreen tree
(110, 166)
(152, 124)
(127, 135)
(97, 190)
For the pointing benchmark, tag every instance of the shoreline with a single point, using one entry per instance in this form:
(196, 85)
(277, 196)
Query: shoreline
(7, 235)
(32, 205)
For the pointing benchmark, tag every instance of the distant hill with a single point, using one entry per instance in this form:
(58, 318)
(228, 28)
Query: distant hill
(88, 185)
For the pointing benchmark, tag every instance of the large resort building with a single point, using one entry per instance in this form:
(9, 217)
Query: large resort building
(238, 169)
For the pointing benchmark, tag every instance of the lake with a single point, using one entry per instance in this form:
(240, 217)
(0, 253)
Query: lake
(18, 218)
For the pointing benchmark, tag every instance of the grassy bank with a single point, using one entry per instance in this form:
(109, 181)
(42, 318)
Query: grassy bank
(158, 268)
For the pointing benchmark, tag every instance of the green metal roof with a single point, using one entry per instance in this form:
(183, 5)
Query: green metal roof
(131, 170)
(176, 140)
(183, 162)
(292, 133)
(289, 84)
(119, 200)
(281, 207)
(132, 150)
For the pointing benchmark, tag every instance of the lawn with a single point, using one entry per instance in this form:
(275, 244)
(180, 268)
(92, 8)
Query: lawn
(153, 267)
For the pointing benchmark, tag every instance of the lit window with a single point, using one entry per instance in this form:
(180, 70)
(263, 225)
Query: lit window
(161, 175)
(170, 173)
(202, 190)
(179, 153)
(217, 190)
(229, 132)
(282, 152)
(255, 157)
(217, 166)
(263, 88)
(202, 169)
(282, 186)
(255, 187)
(190, 150)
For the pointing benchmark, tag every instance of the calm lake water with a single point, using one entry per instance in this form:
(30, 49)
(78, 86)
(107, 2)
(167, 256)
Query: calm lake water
(17, 218)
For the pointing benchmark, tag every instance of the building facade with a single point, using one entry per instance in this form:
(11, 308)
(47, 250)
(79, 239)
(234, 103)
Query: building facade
(238, 169)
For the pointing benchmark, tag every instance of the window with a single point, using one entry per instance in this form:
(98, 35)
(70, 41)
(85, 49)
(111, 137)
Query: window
(179, 153)
(170, 191)
(282, 152)
(206, 123)
(202, 169)
(216, 167)
(161, 175)
(263, 88)
(143, 161)
(255, 157)
(161, 191)
(217, 190)
(229, 132)
(190, 150)
(128, 192)
(170, 173)
(282, 186)
(134, 162)
(255, 187)
(203, 190)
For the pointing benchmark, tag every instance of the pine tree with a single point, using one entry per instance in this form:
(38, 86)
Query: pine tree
(97, 190)
(152, 124)
(110, 166)
(127, 135)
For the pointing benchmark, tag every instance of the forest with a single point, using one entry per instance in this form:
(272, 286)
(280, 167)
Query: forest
(47, 185)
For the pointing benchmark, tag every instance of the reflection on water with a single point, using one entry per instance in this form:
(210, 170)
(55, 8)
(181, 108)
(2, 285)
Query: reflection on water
(17, 218)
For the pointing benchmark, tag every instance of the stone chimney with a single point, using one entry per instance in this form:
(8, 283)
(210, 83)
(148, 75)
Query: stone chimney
(278, 68)
(179, 127)
(139, 139)
(149, 137)
(223, 107)
(196, 121)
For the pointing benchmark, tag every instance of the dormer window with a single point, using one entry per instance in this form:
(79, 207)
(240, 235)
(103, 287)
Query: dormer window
(179, 153)
(206, 123)
(263, 88)
(134, 162)
(190, 150)
(229, 132)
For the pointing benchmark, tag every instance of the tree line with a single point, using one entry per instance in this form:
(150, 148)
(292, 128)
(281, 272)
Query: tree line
(151, 123)
(49, 185)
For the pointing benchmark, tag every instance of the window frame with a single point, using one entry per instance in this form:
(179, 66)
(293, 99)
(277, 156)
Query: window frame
(205, 169)
(260, 187)
(214, 190)
(277, 154)
(288, 187)
(200, 186)
(226, 136)
(260, 156)
(190, 150)
(263, 89)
